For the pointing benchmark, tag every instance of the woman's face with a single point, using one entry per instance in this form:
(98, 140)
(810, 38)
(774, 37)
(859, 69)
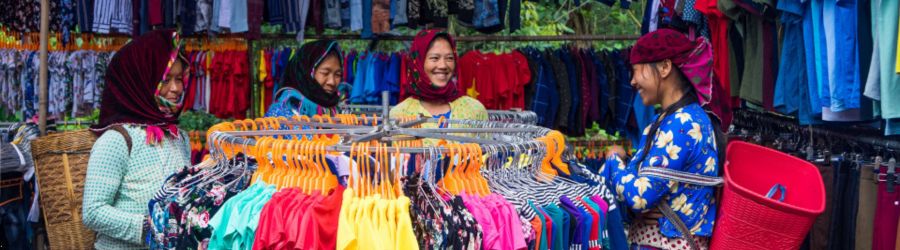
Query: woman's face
(440, 62)
(173, 85)
(646, 81)
(329, 73)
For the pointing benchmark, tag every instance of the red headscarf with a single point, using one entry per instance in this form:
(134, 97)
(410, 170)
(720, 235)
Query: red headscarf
(420, 86)
(132, 79)
(693, 58)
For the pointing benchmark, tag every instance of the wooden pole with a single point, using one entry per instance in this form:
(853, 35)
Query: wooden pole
(42, 97)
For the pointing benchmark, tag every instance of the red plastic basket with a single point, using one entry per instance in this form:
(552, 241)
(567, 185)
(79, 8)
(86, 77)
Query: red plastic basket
(750, 220)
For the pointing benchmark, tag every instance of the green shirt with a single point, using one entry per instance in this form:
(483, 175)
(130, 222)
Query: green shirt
(119, 185)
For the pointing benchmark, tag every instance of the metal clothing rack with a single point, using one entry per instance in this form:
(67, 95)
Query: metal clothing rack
(743, 116)
(523, 116)
(474, 38)
(508, 137)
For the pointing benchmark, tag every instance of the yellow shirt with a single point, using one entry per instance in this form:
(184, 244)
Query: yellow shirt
(346, 235)
(406, 239)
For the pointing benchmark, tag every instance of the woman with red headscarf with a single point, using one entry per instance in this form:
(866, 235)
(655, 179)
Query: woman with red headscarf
(677, 162)
(139, 144)
(432, 91)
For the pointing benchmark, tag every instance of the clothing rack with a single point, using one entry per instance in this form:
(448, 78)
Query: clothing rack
(744, 116)
(520, 116)
(387, 128)
(474, 38)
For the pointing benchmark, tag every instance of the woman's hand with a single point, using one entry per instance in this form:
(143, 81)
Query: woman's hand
(652, 217)
(615, 150)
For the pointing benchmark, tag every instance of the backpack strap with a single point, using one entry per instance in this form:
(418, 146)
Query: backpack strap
(679, 224)
(121, 130)
(683, 177)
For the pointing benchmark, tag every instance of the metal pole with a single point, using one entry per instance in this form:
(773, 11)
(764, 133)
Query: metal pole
(386, 109)
(42, 92)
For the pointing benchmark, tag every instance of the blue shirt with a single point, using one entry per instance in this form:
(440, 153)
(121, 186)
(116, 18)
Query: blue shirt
(842, 53)
(792, 69)
(487, 14)
(546, 98)
(358, 94)
(625, 93)
(812, 74)
(367, 18)
(684, 142)
(356, 15)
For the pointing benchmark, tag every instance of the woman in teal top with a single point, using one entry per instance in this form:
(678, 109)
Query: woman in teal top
(139, 144)
(312, 82)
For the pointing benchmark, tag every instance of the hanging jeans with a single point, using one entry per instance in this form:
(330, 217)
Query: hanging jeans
(845, 197)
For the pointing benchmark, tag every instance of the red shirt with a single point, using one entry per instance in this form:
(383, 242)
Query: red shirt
(480, 73)
(523, 74)
(327, 213)
(270, 220)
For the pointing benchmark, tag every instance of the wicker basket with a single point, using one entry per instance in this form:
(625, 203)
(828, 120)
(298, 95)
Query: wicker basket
(61, 161)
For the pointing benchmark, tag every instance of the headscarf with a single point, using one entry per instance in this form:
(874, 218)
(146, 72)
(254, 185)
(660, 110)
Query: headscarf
(692, 58)
(301, 71)
(420, 86)
(134, 79)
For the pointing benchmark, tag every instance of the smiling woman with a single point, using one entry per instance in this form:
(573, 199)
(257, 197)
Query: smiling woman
(433, 55)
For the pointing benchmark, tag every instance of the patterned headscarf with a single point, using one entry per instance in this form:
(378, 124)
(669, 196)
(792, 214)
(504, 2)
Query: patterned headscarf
(301, 70)
(693, 58)
(133, 82)
(420, 86)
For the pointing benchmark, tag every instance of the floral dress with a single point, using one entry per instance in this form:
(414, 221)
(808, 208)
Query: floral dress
(180, 214)
(684, 142)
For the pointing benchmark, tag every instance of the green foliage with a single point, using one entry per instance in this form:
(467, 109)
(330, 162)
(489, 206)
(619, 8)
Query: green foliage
(197, 121)
(551, 18)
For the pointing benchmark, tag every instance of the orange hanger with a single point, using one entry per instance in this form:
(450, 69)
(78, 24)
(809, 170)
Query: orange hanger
(355, 152)
(262, 160)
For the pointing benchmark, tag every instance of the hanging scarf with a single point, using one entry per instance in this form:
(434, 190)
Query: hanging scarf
(133, 81)
(692, 58)
(301, 70)
(420, 86)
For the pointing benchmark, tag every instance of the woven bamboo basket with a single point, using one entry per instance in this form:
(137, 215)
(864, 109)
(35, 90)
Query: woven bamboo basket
(61, 161)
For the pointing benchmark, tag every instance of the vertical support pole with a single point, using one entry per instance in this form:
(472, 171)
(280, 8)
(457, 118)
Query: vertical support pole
(386, 110)
(42, 97)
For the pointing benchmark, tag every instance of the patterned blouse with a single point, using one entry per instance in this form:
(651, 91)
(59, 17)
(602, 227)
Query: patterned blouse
(291, 102)
(686, 142)
(463, 108)
(119, 184)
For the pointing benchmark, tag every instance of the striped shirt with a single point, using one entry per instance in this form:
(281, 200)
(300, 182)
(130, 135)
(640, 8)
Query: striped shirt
(120, 184)
(112, 16)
